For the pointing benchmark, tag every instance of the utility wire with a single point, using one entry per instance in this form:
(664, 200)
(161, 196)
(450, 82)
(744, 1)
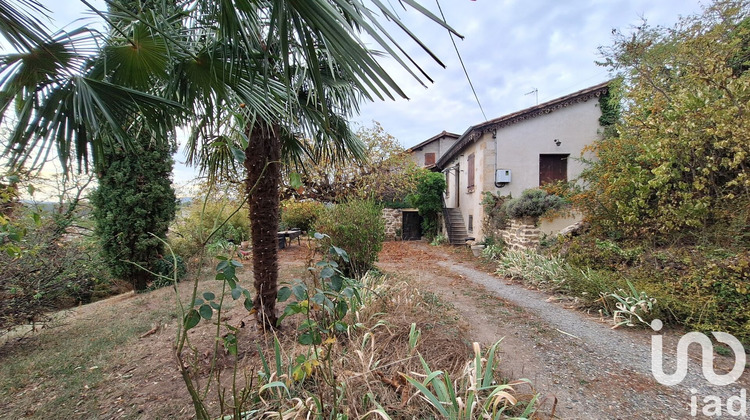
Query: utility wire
(462, 63)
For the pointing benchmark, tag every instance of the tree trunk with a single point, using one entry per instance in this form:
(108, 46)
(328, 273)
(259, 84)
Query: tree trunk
(262, 161)
(140, 280)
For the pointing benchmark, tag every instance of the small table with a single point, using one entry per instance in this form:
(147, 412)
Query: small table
(291, 235)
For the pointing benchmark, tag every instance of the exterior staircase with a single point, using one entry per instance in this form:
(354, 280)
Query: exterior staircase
(454, 224)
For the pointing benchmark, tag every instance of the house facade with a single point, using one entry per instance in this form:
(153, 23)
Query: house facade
(427, 153)
(522, 150)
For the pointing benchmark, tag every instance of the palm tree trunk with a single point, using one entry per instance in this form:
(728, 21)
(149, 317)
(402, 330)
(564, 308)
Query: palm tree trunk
(262, 161)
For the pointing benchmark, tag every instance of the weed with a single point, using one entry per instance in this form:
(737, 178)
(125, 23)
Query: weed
(492, 252)
(475, 393)
(440, 239)
(631, 305)
(533, 268)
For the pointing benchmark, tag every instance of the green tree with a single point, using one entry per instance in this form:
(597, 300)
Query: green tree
(429, 200)
(134, 202)
(678, 160)
(133, 207)
(356, 226)
(386, 174)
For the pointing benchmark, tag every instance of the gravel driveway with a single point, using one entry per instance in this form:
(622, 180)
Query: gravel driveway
(582, 367)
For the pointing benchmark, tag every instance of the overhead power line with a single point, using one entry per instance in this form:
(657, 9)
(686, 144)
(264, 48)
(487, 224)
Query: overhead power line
(455, 47)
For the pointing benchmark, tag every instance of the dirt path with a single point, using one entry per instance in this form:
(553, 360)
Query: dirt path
(577, 362)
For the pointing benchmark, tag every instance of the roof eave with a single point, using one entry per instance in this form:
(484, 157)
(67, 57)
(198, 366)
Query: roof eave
(476, 131)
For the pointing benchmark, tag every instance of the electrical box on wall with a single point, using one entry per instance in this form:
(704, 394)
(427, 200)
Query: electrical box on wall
(502, 176)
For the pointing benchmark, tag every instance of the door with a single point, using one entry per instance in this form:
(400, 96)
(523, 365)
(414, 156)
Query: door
(411, 229)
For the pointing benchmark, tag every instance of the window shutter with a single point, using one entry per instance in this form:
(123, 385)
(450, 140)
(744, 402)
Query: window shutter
(553, 168)
(470, 170)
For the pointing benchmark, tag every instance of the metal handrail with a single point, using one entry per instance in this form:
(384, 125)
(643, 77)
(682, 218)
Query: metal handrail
(447, 220)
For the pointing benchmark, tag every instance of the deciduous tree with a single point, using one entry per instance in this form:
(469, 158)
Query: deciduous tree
(387, 174)
(678, 161)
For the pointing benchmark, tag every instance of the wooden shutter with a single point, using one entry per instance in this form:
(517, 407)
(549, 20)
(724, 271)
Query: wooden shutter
(429, 159)
(553, 168)
(470, 171)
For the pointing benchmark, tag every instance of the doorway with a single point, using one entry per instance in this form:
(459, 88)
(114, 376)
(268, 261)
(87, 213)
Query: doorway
(411, 228)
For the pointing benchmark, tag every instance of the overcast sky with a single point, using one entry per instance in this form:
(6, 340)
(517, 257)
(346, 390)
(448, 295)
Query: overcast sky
(511, 48)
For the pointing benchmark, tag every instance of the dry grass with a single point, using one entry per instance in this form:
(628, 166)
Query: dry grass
(114, 358)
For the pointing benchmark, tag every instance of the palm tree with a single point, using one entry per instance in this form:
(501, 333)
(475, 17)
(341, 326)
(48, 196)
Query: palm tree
(271, 71)
(60, 95)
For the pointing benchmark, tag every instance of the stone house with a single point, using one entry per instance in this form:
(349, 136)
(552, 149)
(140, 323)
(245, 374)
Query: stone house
(515, 152)
(427, 153)
(406, 224)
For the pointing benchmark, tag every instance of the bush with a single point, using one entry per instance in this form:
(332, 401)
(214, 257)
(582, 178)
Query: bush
(532, 203)
(300, 214)
(706, 289)
(429, 200)
(164, 267)
(495, 216)
(356, 226)
(195, 223)
(703, 288)
(439, 240)
(533, 268)
(676, 163)
(53, 273)
(133, 206)
(492, 252)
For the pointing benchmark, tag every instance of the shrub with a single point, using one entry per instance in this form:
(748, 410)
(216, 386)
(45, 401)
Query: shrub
(356, 226)
(706, 289)
(196, 222)
(533, 268)
(532, 203)
(300, 214)
(588, 251)
(429, 200)
(676, 163)
(592, 286)
(495, 216)
(492, 252)
(134, 204)
(703, 288)
(439, 240)
(164, 267)
(53, 273)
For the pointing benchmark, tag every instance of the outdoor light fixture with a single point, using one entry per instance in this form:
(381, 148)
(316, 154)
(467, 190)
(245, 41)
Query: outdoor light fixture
(557, 142)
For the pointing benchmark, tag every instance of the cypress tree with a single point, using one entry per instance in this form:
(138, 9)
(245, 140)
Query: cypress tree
(134, 199)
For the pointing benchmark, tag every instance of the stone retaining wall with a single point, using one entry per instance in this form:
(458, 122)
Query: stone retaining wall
(394, 223)
(520, 235)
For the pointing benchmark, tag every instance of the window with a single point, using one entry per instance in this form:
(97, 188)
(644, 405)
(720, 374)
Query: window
(553, 168)
(471, 223)
(429, 159)
(470, 172)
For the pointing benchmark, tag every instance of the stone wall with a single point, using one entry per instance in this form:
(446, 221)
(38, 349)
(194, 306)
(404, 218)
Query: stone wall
(394, 222)
(520, 234)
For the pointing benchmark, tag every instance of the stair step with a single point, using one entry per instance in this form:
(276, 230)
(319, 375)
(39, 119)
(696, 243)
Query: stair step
(457, 233)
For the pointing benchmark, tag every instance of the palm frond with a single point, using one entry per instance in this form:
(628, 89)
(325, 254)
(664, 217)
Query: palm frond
(20, 26)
